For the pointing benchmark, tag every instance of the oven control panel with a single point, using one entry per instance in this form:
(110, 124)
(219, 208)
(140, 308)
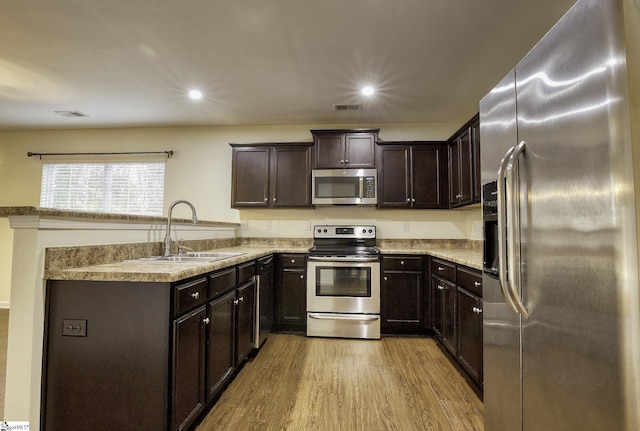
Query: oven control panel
(343, 231)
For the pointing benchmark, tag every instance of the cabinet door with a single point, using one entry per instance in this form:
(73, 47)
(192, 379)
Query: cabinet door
(394, 176)
(475, 146)
(401, 301)
(469, 321)
(220, 343)
(329, 151)
(460, 170)
(293, 299)
(291, 176)
(360, 150)
(266, 281)
(188, 393)
(443, 311)
(245, 323)
(429, 176)
(250, 177)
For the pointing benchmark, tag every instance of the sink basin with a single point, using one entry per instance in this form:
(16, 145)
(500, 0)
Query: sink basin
(192, 257)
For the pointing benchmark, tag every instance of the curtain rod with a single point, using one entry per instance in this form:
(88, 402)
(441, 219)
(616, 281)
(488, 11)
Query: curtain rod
(167, 153)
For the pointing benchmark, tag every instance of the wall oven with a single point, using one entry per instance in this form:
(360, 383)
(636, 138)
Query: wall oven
(343, 283)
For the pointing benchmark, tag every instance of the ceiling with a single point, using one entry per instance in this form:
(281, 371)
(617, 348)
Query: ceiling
(129, 63)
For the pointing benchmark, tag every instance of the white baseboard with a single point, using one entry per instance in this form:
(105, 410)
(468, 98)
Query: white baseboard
(4, 304)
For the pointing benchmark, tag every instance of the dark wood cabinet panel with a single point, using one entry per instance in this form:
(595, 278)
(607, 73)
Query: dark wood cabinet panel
(443, 323)
(250, 177)
(464, 165)
(344, 148)
(271, 175)
(291, 177)
(245, 323)
(291, 293)
(188, 393)
(401, 299)
(220, 343)
(265, 290)
(412, 175)
(469, 321)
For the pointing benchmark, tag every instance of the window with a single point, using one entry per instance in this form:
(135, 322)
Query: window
(124, 187)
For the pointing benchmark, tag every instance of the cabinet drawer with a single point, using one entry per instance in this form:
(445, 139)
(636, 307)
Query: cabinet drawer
(189, 296)
(222, 281)
(408, 263)
(246, 271)
(290, 261)
(443, 269)
(469, 279)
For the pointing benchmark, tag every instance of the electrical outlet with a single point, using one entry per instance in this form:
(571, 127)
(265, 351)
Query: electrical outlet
(307, 225)
(267, 225)
(275, 225)
(74, 328)
(405, 226)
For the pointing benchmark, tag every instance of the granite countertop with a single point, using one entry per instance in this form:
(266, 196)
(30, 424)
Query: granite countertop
(162, 271)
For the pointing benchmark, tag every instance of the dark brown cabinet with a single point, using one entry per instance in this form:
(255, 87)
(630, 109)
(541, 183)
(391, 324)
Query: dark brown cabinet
(444, 293)
(344, 148)
(464, 165)
(291, 293)
(245, 303)
(265, 296)
(271, 175)
(412, 175)
(401, 294)
(220, 343)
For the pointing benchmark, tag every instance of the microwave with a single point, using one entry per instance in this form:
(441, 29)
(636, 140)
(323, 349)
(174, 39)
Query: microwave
(344, 186)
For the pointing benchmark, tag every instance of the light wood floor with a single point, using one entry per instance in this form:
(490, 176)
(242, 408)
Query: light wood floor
(4, 329)
(298, 383)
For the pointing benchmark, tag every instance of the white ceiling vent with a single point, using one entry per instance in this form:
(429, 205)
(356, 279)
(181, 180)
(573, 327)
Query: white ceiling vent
(347, 107)
(71, 114)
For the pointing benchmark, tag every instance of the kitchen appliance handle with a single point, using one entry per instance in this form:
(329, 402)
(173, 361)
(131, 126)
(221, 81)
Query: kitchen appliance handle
(358, 317)
(513, 229)
(502, 238)
(343, 259)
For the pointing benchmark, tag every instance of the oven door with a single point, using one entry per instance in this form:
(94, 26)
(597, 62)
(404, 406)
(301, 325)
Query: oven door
(343, 285)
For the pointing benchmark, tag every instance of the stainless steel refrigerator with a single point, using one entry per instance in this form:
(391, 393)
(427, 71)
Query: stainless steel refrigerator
(560, 168)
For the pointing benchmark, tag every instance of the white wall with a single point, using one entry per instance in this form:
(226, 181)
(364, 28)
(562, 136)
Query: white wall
(200, 171)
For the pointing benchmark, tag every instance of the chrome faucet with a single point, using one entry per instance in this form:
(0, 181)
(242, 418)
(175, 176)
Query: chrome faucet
(167, 239)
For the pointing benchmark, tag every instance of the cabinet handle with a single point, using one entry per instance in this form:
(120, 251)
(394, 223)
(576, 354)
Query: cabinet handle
(440, 268)
(293, 261)
(408, 200)
(274, 199)
(236, 302)
(266, 199)
(477, 310)
(477, 284)
(346, 161)
(402, 262)
(440, 287)
(195, 295)
(385, 278)
(459, 196)
(302, 277)
(206, 320)
(241, 299)
(341, 161)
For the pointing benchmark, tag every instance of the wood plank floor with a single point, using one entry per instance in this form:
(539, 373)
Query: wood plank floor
(4, 330)
(329, 384)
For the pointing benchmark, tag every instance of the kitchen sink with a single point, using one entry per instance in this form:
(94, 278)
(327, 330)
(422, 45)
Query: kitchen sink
(192, 257)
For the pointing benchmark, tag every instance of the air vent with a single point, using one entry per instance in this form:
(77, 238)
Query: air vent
(71, 114)
(346, 107)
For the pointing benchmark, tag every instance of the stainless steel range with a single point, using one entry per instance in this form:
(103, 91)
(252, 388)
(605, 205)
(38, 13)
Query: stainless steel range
(343, 283)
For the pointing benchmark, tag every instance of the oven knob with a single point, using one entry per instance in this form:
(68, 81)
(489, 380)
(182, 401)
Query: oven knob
(325, 231)
(370, 230)
(364, 231)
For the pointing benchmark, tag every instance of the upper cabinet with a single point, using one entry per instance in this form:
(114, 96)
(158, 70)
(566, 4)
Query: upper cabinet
(412, 175)
(344, 148)
(464, 164)
(271, 175)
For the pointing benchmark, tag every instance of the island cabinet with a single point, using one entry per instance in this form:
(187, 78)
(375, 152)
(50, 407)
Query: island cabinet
(271, 175)
(457, 315)
(464, 165)
(142, 355)
(412, 175)
(401, 294)
(291, 292)
(344, 148)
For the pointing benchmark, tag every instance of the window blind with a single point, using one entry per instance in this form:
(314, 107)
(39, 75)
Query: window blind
(123, 188)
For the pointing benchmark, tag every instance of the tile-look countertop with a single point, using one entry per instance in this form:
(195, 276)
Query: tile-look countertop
(162, 271)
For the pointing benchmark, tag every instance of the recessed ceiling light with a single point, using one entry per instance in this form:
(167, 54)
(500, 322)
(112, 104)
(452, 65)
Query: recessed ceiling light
(195, 94)
(368, 90)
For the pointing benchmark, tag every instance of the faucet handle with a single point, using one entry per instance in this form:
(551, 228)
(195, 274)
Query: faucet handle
(182, 249)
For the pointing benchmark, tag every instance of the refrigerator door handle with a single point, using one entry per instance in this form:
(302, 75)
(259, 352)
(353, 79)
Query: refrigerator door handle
(502, 238)
(513, 229)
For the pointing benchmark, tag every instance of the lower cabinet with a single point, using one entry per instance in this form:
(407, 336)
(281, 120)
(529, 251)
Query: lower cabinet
(456, 292)
(291, 293)
(143, 356)
(401, 293)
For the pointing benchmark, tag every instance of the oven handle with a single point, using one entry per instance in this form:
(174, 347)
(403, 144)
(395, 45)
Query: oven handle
(343, 259)
(330, 316)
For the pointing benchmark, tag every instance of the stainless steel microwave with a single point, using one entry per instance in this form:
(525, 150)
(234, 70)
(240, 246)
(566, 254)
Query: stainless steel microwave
(344, 186)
